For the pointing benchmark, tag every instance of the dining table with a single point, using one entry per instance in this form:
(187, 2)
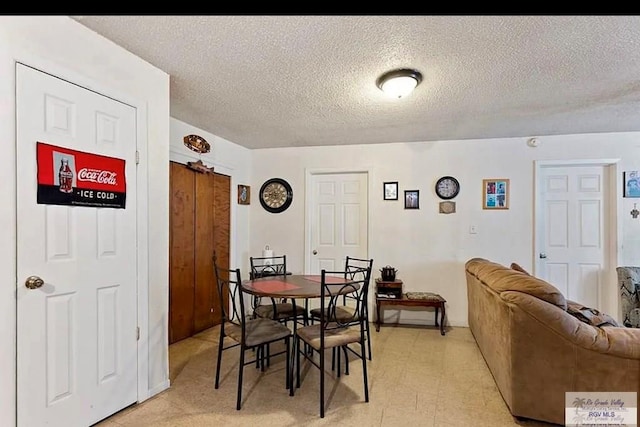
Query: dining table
(296, 286)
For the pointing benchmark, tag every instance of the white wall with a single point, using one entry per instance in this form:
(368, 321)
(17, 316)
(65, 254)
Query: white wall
(429, 249)
(229, 159)
(61, 46)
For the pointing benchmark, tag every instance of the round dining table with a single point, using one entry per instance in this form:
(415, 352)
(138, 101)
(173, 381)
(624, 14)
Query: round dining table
(295, 286)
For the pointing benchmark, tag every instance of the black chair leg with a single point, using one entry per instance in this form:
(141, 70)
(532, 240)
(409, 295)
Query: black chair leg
(322, 384)
(240, 371)
(220, 345)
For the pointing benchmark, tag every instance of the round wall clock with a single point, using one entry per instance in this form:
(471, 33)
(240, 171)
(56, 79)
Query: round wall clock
(447, 187)
(276, 195)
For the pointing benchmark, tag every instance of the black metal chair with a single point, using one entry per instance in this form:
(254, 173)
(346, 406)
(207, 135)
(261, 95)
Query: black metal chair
(281, 309)
(346, 310)
(247, 333)
(335, 331)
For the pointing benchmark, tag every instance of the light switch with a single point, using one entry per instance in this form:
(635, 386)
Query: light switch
(473, 229)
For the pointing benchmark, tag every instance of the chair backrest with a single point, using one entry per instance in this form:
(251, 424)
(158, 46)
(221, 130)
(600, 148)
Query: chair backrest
(230, 294)
(355, 284)
(268, 266)
(356, 266)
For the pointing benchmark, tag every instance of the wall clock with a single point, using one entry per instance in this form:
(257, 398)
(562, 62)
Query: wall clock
(276, 195)
(447, 187)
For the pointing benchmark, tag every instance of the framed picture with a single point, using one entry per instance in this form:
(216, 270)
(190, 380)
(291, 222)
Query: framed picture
(495, 193)
(391, 190)
(412, 199)
(244, 194)
(631, 184)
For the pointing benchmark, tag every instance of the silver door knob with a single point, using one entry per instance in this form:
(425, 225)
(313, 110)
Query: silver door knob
(543, 255)
(315, 252)
(33, 282)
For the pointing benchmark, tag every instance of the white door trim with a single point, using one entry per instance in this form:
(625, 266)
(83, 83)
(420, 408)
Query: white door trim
(142, 206)
(610, 289)
(308, 203)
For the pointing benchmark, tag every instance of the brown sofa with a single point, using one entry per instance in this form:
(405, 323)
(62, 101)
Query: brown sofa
(536, 350)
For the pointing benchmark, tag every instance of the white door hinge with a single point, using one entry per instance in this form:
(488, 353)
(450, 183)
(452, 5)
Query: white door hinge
(137, 157)
(138, 333)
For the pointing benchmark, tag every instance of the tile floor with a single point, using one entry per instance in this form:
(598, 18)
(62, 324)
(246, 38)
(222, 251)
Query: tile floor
(416, 378)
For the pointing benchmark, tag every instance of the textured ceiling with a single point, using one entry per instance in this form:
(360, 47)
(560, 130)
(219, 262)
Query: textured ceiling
(284, 81)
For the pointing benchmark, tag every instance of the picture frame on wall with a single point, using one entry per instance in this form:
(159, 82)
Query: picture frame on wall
(631, 183)
(390, 190)
(495, 193)
(244, 194)
(412, 199)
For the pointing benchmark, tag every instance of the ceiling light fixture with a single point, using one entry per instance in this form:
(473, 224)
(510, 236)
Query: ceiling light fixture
(399, 83)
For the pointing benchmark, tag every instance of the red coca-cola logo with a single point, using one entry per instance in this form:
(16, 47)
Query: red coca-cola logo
(97, 175)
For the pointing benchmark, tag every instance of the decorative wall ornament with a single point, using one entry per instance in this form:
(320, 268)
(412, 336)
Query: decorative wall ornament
(197, 143)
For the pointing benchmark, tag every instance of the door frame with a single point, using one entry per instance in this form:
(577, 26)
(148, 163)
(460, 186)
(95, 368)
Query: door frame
(309, 173)
(613, 198)
(142, 206)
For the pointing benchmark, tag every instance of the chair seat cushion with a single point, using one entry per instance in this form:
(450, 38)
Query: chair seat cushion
(258, 331)
(332, 337)
(284, 309)
(343, 314)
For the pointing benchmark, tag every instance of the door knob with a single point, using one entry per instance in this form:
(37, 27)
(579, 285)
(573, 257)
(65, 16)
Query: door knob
(543, 255)
(33, 282)
(315, 252)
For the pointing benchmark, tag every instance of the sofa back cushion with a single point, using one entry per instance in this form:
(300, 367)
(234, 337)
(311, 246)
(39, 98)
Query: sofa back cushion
(501, 279)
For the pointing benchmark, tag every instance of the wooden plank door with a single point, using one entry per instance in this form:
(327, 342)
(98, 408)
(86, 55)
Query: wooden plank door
(181, 252)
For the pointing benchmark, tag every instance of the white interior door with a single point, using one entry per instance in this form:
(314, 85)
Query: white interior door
(76, 335)
(574, 231)
(338, 219)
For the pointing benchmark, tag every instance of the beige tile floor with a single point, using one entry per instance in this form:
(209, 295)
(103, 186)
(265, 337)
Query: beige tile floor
(416, 378)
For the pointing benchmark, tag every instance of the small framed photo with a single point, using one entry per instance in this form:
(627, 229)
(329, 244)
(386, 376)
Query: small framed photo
(495, 193)
(390, 190)
(412, 199)
(244, 194)
(631, 184)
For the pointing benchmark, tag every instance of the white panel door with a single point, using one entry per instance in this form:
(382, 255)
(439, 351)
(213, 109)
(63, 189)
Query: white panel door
(338, 218)
(574, 231)
(77, 348)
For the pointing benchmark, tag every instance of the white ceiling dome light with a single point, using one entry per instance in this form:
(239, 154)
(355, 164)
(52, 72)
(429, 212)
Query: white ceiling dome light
(399, 83)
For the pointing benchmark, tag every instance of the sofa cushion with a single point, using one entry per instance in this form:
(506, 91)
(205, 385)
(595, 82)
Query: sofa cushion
(501, 279)
(590, 316)
(517, 267)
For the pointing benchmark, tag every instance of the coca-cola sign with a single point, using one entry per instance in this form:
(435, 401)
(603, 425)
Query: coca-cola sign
(97, 175)
(77, 178)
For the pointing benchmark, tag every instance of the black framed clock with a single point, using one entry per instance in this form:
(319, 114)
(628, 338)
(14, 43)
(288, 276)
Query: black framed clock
(275, 195)
(447, 187)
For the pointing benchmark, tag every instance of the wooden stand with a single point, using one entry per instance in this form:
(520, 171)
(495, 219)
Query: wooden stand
(390, 293)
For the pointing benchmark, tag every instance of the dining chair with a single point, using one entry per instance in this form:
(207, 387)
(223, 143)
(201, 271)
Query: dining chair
(278, 309)
(245, 332)
(335, 331)
(350, 301)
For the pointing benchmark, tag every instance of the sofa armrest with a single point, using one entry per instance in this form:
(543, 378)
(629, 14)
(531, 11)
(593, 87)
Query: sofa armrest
(620, 342)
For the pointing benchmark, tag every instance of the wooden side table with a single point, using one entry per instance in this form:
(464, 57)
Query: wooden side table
(418, 299)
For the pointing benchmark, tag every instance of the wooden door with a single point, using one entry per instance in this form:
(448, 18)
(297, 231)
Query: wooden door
(574, 225)
(199, 225)
(181, 252)
(76, 334)
(338, 218)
